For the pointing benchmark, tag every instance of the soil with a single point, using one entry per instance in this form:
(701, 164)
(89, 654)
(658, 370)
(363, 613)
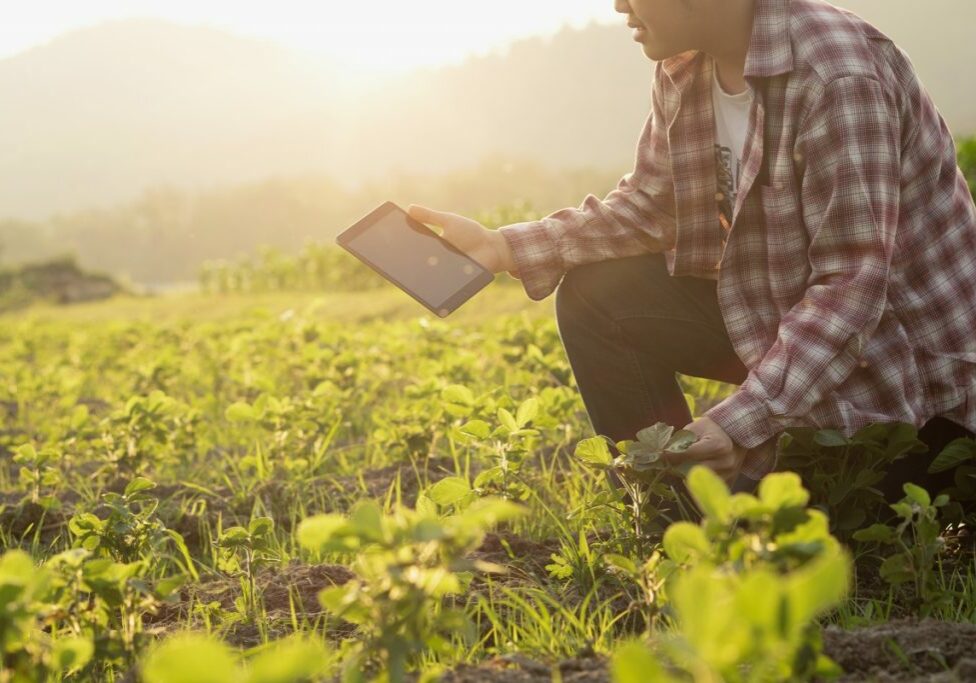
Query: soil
(279, 587)
(21, 518)
(378, 481)
(524, 559)
(905, 650)
(519, 669)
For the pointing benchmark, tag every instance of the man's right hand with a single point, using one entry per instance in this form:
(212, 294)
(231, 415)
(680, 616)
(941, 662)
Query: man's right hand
(487, 247)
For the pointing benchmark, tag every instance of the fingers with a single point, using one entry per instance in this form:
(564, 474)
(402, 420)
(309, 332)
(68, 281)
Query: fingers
(709, 451)
(427, 215)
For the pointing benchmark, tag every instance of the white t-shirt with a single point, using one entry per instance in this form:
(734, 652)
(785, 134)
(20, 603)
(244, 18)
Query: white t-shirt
(731, 121)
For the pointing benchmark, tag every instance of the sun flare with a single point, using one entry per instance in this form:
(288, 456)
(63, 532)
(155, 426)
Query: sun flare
(382, 35)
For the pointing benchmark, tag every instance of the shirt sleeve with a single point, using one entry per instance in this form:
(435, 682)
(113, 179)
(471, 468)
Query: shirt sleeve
(637, 217)
(849, 193)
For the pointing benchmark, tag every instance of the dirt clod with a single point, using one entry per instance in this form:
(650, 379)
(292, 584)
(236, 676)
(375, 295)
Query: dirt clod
(905, 650)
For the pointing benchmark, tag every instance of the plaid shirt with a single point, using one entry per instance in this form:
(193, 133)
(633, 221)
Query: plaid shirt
(847, 275)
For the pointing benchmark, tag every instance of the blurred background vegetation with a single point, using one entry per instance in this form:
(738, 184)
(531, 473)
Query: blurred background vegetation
(169, 156)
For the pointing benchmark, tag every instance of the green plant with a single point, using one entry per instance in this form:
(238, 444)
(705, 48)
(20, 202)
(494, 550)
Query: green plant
(197, 658)
(130, 530)
(753, 576)
(27, 652)
(842, 473)
(511, 441)
(407, 562)
(243, 551)
(917, 545)
(957, 456)
(966, 153)
(643, 471)
(38, 475)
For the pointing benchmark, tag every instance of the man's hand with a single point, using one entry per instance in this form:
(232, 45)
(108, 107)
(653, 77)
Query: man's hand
(487, 247)
(714, 449)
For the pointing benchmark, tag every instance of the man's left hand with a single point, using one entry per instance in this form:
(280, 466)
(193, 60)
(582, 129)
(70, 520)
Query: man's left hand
(714, 449)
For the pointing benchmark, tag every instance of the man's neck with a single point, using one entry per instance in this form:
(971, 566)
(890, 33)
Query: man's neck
(728, 42)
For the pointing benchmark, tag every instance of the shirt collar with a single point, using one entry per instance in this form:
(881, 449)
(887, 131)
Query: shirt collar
(770, 51)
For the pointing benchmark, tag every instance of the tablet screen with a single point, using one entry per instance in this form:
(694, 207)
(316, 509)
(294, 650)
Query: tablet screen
(420, 261)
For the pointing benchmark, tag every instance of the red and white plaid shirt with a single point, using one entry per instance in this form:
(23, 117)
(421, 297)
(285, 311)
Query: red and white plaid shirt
(847, 277)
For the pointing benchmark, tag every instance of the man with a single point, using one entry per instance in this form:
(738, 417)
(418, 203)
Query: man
(795, 223)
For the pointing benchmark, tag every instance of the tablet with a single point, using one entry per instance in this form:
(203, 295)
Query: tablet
(415, 258)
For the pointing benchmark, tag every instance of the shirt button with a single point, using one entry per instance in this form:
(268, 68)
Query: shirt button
(719, 197)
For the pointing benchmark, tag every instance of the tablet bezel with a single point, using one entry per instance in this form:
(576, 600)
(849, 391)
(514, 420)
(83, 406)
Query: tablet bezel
(481, 280)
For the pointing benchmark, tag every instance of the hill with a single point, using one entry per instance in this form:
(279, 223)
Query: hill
(100, 114)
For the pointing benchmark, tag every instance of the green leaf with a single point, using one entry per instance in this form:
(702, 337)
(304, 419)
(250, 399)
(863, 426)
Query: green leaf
(366, 518)
(84, 523)
(459, 394)
(234, 537)
(527, 411)
(489, 476)
(507, 420)
(656, 436)
(830, 438)
(818, 586)
(685, 542)
(633, 662)
(642, 454)
(903, 510)
(426, 530)
(191, 658)
(681, 440)
(425, 506)
(341, 600)
(903, 439)
(917, 494)
(290, 660)
(25, 454)
(478, 429)
(79, 416)
(71, 654)
(624, 564)
(955, 453)
(783, 490)
(877, 533)
(711, 493)
(746, 505)
(487, 512)
(240, 412)
(169, 585)
(449, 491)
(324, 533)
(594, 451)
(139, 484)
(260, 526)
(897, 569)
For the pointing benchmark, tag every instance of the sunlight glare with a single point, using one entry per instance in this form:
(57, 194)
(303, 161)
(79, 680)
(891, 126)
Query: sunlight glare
(381, 35)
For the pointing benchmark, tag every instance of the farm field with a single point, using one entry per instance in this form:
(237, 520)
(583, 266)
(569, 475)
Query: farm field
(300, 487)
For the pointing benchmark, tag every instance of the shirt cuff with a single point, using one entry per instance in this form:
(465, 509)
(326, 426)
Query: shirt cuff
(535, 250)
(745, 418)
(762, 460)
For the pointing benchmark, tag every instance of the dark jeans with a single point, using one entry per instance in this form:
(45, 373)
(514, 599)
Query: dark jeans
(628, 326)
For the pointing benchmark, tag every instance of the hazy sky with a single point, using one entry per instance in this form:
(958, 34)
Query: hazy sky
(385, 34)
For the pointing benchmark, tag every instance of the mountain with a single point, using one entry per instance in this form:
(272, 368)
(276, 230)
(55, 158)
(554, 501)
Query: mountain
(98, 115)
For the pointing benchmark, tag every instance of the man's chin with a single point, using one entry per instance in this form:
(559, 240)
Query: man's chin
(656, 53)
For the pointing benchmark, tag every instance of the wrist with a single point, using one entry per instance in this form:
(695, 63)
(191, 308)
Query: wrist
(506, 259)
